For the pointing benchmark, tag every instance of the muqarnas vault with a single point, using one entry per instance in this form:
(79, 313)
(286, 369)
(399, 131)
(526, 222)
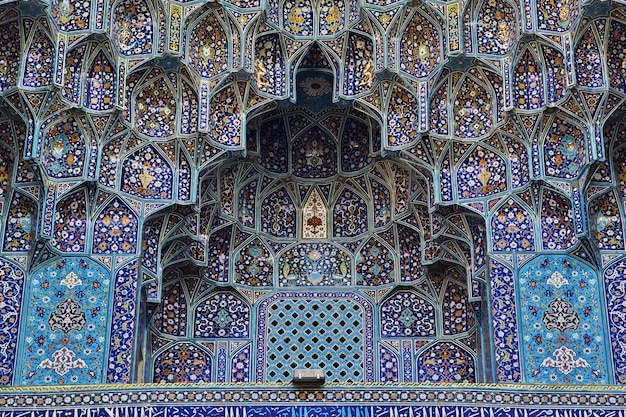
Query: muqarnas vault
(392, 191)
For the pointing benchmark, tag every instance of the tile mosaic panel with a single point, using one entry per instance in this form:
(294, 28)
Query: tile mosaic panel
(64, 339)
(504, 322)
(563, 150)
(407, 314)
(115, 229)
(420, 48)
(123, 325)
(64, 149)
(483, 173)
(314, 264)
(70, 223)
(101, 84)
(615, 294)
(183, 362)
(375, 264)
(146, 174)
(12, 279)
(562, 328)
(350, 215)
(39, 59)
(446, 362)
(133, 28)
(557, 223)
(222, 315)
(512, 228)
(329, 335)
(10, 50)
(607, 222)
(20, 223)
(170, 317)
(253, 265)
(314, 155)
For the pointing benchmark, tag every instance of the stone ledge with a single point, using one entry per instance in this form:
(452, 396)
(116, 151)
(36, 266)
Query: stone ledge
(346, 400)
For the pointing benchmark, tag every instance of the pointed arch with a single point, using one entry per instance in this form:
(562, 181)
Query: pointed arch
(134, 28)
(474, 105)
(496, 27)
(350, 217)
(588, 59)
(421, 46)
(557, 221)
(528, 82)
(147, 174)
(564, 148)
(155, 108)
(208, 48)
(70, 223)
(375, 264)
(20, 223)
(64, 148)
(279, 214)
(100, 89)
(512, 228)
(39, 59)
(254, 265)
(606, 221)
(115, 229)
(314, 216)
(482, 173)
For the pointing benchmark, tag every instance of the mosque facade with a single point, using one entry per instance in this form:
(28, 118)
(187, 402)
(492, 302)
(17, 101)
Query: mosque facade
(423, 201)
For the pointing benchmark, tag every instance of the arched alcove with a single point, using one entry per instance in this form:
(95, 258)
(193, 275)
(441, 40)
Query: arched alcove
(310, 238)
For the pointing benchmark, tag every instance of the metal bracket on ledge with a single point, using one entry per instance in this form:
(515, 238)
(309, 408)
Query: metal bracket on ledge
(308, 376)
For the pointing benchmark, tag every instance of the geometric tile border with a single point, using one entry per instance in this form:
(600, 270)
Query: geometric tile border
(365, 401)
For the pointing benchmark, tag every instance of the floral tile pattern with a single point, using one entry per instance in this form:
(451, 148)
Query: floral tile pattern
(393, 191)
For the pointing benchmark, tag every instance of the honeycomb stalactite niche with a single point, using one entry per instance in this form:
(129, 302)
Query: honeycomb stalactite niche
(392, 191)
